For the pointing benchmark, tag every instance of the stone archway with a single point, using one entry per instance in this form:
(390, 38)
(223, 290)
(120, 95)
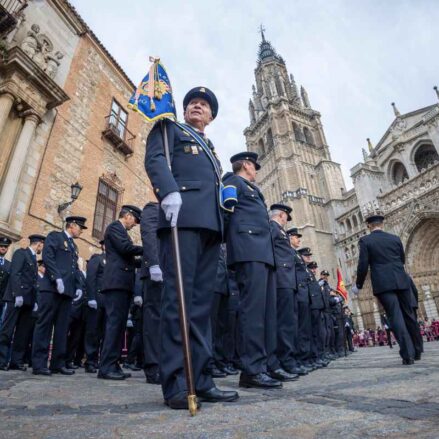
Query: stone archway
(421, 237)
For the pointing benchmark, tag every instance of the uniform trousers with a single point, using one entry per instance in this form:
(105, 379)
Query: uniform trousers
(257, 317)
(76, 334)
(94, 334)
(304, 338)
(349, 339)
(53, 316)
(329, 334)
(402, 319)
(340, 338)
(199, 252)
(318, 333)
(152, 296)
(20, 321)
(117, 304)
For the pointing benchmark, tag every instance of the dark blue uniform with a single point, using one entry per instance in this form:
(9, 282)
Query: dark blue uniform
(286, 286)
(60, 257)
(384, 253)
(327, 316)
(95, 318)
(317, 320)
(250, 254)
(4, 276)
(152, 291)
(117, 288)
(22, 282)
(200, 227)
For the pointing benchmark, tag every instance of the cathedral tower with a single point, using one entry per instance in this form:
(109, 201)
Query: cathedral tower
(296, 163)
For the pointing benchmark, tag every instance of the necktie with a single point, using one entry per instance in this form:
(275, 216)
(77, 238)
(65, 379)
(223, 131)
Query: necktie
(71, 245)
(2, 261)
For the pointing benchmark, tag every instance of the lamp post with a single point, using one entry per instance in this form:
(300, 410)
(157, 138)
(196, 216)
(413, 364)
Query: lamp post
(76, 189)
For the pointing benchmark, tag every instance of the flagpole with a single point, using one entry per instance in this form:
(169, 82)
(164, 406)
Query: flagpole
(184, 328)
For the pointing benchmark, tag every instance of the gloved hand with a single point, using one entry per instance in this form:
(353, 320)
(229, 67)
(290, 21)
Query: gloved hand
(78, 295)
(355, 290)
(60, 286)
(35, 307)
(156, 273)
(18, 302)
(138, 300)
(171, 205)
(130, 323)
(92, 304)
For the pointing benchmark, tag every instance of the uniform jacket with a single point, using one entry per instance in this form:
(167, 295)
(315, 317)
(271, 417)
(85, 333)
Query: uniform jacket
(4, 276)
(384, 253)
(247, 231)
(316, 292)
(148, 230)
(302, 275)
(119, 271)
(22, 277)
(60, 258)
(221, 281)
(192, 174)
(283, 257)
(326, 289)
(95, 277)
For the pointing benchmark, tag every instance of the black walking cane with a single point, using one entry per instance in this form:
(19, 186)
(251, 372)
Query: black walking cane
(184, 329)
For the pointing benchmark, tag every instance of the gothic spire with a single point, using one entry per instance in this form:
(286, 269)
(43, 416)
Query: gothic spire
(305, 98)
(266, 50)
(436, 90)
(369, 144)
(395, 110)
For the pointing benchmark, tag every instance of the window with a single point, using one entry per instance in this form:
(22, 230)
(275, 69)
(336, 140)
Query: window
(425, 156)
(118, 118)
(308, 136)
(270, 141)
(399, 173)
(297, 132)
(261, 148)
(354, 221)
(106, 208)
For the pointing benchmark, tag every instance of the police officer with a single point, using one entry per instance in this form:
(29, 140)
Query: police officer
(118, 288)
(152, 284)
(286, 287)
(4, 269)
(384, 253)
(327, 314)
(20, 298)
(189, 199)
(250, 254)
(62, 284)
(95, 311)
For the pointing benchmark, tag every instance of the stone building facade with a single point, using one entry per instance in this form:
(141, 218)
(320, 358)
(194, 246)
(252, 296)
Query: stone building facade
(64, 119)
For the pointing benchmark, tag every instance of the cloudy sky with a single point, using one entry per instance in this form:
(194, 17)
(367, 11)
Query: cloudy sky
(353, 57)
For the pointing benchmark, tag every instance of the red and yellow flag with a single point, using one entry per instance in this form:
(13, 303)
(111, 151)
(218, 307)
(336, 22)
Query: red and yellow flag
(340, 286)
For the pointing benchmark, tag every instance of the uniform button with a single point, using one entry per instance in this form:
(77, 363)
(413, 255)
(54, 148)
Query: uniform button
(249, 231)
(157, 189)
(183, 188)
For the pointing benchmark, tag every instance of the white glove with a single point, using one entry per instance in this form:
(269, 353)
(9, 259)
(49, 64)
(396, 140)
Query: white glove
(92, 304)
(130, 324)
(18, 302)
(355, 290)
(138, 300)
(171, 205)
(156, 273)
(35, 307)
(60, 286)
(78, 295)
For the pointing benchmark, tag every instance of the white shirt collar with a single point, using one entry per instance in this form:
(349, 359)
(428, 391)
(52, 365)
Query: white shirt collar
(32, 251)
(67, 233)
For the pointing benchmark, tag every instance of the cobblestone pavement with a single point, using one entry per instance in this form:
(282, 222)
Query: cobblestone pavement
(366, 395)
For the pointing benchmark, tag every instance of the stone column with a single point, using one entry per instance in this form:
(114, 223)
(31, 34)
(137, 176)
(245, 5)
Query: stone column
(429, 303)
(15, 167)
(358, 316)
(6, 102)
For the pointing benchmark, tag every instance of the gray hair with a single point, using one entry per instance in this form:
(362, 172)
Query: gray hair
(275, 212)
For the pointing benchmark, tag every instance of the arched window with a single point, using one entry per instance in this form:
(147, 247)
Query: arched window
(360, 217)
(298, 135)
(308, 136)
(270, 141)
(261, 147)
(399, 173)
(353, 250)
(354, 221)
(425, 156)
(348, 225)
(278, 84)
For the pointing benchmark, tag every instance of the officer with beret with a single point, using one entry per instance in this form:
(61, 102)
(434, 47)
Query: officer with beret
(20, 298)
(250, 254)
(4, 268)
(62, 284)
(189, 199)
(286, 286)
(327, 315)
(384, 253)
(95, 311)
(118, 288)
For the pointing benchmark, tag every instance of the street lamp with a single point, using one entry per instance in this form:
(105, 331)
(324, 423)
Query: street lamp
(76, 189)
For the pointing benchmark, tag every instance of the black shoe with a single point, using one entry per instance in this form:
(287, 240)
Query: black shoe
(4, 367)
(261, 380)
(21, 367)
(71, 366)
(230, 370)
(408, 362)
(117, 376)
(417, 358)
(322, 363)
(179, 402)
(297, 370)
(217, 373)
(45, 372)
(63, 371)
(217, 395)
(153, 378)
(89, 368)
(131, 366)
(282, 375)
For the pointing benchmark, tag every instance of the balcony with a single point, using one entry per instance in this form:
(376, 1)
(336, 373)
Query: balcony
(9, 13)
(118, 134)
